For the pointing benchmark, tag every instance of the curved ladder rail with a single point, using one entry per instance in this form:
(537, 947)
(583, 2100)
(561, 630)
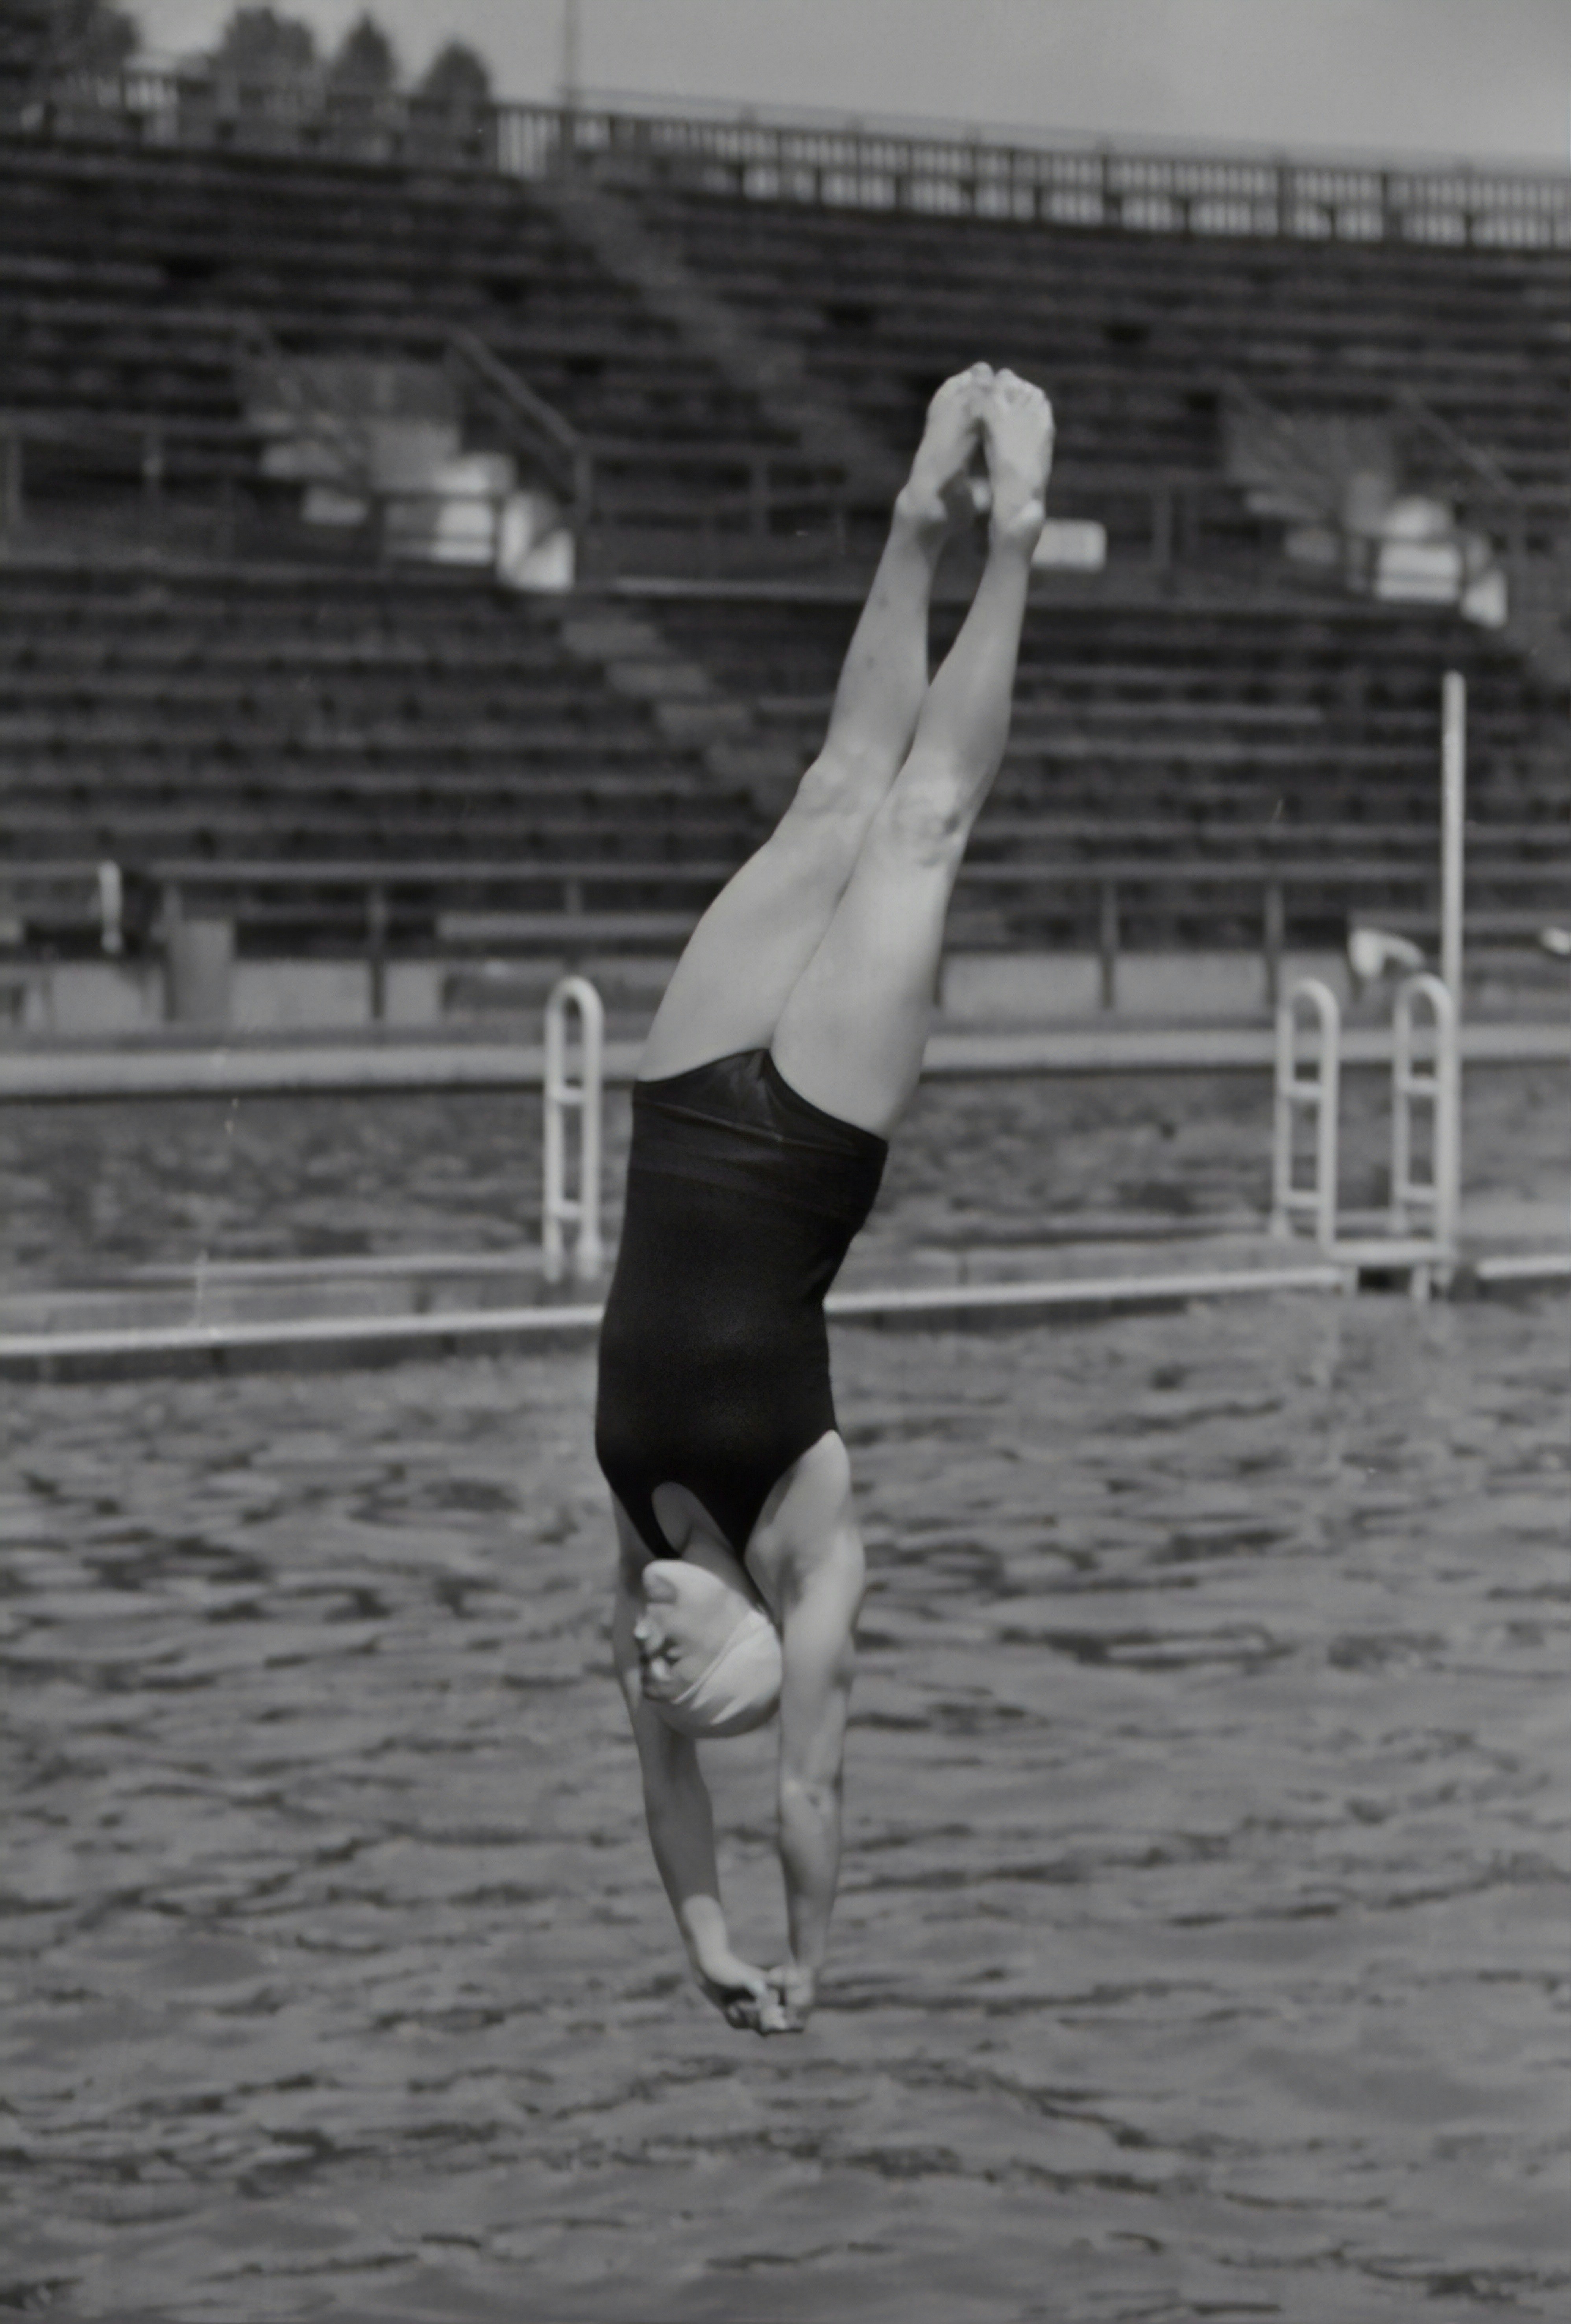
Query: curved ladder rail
(1318, 1094)
(582, 1096)
(1439, 1195)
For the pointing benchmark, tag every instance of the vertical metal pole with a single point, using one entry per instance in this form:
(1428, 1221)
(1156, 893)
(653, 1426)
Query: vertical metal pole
(1402, 1107)
(584, 1095)
(589, 1257)
(1453, 806)
(1108, 943)
(554, 1205)
(10, 482)
(376, 933)
(570, 56)
(1275, 938)
(1321, 1093)
(1282, 1143)
(1440, 1089)
(1447, 1163)
(111, 907)
(1448, 1020)
(1162, 525)
(1328, 1128)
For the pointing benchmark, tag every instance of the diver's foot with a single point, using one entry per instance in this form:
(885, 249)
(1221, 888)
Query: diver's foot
(938, 493)
(1017, 439)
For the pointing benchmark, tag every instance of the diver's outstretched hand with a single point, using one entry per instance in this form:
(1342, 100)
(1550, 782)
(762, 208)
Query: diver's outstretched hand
(744, 1997)
(795, 1990)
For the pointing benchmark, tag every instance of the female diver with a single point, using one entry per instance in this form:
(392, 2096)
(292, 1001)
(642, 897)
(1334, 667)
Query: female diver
(787, 1048)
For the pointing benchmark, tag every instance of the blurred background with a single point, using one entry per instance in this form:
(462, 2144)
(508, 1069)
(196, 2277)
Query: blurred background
(1429, 76)
(440, 461)
(441, 453)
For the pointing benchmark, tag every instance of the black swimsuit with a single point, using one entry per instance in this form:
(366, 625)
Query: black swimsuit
(742, 1201)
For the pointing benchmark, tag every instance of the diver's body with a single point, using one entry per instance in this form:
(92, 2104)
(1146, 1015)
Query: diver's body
(788, 1046)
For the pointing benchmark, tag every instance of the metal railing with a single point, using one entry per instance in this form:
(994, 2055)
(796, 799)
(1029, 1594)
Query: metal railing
(151, 477)
(1428, 1254)
(567, 1097)
(1315, 1093)
(1526, 532)
(533, 427)
(172, 482)
(700, 509)
(543, 443)
(1436, 1197)
(377, 910)
(1111, 186)
(175, 482)
(693, 507)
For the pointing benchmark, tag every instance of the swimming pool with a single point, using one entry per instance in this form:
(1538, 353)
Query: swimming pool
(91, 1190)
(1201, 1941)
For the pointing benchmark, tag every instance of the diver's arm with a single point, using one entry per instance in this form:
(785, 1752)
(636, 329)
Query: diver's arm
(682, 1834)
(681, 1822)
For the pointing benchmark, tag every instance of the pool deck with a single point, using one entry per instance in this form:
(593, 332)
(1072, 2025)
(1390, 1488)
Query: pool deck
(165, 1066)
(365, 1310)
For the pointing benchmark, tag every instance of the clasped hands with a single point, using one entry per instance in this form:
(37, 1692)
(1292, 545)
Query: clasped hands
(757, 2001)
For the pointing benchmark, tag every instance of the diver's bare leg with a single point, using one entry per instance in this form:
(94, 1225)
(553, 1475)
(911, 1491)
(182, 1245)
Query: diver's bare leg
(852, 1035)
(757, 937)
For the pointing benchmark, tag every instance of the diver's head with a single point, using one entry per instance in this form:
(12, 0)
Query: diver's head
(709, 1655)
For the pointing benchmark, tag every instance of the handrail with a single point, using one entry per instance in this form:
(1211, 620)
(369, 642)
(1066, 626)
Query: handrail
(564, 1095)
(1317, 1093)
(571, 923)
(1303, 471)
(1110, 185)
(472, 350)
(497, 872)
(1408, 403)
(549, 439)
(1465, 455)
(256, 342)
(1438, 1195)
(379, 881)
(1484, 497)
(559, 447)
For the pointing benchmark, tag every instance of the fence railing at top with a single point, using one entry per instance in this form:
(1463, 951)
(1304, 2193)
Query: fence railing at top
(1112, 187)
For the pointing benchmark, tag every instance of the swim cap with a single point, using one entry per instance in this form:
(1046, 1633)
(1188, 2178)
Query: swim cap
(740, 1690)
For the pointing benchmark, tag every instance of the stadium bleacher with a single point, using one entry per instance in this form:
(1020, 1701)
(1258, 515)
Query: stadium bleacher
(126, 274)
(308, 717)
(1138, 331)
(228, 704)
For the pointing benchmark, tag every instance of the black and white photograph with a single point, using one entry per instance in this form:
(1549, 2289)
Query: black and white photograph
(784, 1161)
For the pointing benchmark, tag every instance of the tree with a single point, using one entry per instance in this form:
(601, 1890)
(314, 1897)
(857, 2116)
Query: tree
(456, 78)
(365, 62)
(90, 36)
(260, 45)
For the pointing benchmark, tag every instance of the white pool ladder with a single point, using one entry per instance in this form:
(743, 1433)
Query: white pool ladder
(1428, 1256)
(1436, 1197)
(562, 1210)
(1319, 1094)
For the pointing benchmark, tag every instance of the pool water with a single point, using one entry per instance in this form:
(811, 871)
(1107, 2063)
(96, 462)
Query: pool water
(1201, 1943)
(89, 1191)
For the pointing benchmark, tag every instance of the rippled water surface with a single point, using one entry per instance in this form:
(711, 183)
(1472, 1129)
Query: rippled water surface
(88, 1190)
(1202, 1946)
